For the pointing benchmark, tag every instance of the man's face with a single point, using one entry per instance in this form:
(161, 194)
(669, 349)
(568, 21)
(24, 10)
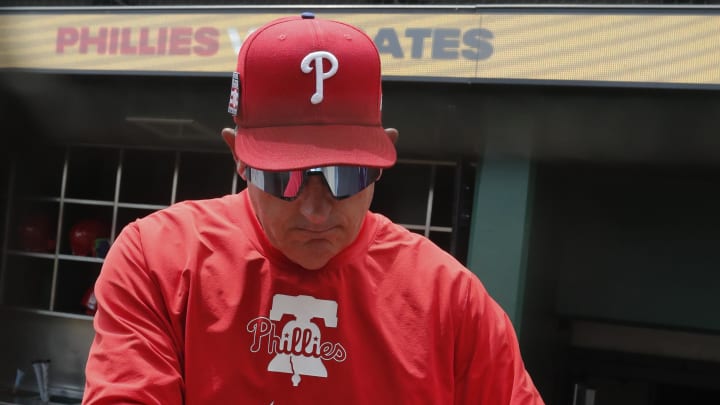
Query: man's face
(314, 227)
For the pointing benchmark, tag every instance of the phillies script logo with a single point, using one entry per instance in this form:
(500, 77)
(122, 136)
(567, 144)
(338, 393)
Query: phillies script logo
(299, 349)
(201, 41)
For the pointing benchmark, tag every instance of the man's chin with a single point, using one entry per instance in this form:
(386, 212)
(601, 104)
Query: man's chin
(312, 261)
(312, 254)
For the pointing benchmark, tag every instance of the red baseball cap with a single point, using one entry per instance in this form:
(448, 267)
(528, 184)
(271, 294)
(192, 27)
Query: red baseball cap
(307, 93)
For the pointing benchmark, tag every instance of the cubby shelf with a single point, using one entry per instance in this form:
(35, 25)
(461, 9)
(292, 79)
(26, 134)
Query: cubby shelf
(59, 187)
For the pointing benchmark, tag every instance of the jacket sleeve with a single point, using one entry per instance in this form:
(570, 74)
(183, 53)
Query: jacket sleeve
(489, 368)
(136, 355)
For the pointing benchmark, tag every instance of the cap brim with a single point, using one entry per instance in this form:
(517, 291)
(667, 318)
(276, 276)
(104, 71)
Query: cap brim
(304, 146)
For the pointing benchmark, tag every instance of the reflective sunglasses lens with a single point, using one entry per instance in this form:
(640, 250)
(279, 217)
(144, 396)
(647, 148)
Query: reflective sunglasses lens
(343, 181)
(275, 183)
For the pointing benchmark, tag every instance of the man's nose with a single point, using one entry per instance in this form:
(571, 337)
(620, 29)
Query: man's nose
(315, 200)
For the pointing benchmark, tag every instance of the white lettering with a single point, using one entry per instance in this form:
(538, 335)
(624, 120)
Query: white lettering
(320, 74)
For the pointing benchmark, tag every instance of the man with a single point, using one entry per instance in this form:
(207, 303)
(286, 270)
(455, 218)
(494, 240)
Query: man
(292, 292)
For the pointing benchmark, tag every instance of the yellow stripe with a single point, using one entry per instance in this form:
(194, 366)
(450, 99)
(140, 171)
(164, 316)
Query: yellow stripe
(577, 47)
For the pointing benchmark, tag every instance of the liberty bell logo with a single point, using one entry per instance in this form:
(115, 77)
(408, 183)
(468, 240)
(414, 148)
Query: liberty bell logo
(300, 348)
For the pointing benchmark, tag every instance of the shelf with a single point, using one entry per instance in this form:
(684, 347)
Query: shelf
(51, 256)
(75, 279)
(148, 177)
(28, 282)
(142, 206)
(446, 229)
(38, 255)
(49, 161)
(214, 180)
(81, 201)
(36, 198)
(54, 314)
(57, 192)
(402, 193)
(91, 173)
(80, 258)
(81, 225)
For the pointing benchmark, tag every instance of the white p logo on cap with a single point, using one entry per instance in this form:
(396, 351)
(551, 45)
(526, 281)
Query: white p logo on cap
(320, 75)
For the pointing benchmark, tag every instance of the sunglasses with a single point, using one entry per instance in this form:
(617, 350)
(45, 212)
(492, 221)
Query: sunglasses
(343, 181)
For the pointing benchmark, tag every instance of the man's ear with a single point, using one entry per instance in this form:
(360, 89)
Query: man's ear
(228, 135)
(393, 134)
(241, 169)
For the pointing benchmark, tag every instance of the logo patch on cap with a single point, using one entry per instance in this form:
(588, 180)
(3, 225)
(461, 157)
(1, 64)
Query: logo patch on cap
(234, 94)
(320, 75)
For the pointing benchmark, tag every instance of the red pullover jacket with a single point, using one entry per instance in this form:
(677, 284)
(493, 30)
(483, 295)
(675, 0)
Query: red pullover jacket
(196, 307)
